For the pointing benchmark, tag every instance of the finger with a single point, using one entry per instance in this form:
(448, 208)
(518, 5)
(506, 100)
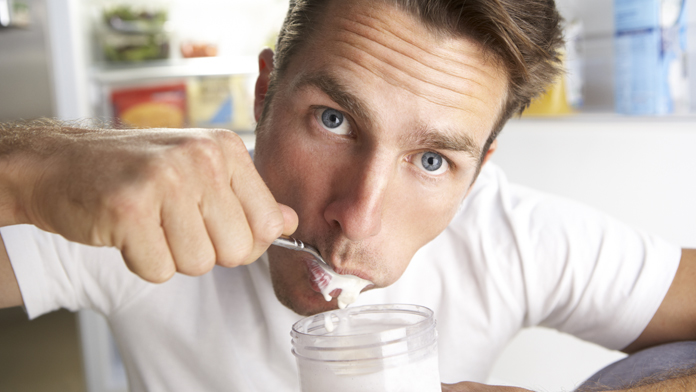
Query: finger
(264, 216)
(290, 219)
(146, 253)
(227, 228)
(262, 212)
(186, 234)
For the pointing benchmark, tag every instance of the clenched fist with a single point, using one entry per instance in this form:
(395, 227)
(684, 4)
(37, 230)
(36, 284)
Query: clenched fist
(170, 200)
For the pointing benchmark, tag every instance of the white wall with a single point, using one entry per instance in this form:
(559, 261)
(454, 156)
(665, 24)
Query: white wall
(640, 170)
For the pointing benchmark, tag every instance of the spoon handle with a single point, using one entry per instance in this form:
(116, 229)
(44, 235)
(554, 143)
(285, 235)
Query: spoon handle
(295, 244)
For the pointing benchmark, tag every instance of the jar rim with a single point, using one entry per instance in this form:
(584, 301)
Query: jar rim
(427, 313)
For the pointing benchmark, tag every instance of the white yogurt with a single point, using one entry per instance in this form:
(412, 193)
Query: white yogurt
(350, 285)
(421, 376)
(328, 324)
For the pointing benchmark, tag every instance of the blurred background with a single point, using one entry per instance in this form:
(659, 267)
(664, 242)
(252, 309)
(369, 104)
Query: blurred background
(153, 63)
(616, 132)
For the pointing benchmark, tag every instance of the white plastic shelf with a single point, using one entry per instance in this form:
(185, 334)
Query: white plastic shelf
(106, 74)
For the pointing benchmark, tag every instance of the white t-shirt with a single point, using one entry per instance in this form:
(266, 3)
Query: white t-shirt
(511, 258)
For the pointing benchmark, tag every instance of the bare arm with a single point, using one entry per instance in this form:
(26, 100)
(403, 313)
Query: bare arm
(684, 381)
(169, 200)
(675, 319)
(676, 381)
(679, 383)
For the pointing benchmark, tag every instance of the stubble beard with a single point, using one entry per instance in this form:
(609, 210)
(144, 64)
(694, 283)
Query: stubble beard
(291, 293)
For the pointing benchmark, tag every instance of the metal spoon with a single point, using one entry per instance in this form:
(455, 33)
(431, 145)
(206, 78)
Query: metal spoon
(295, 244)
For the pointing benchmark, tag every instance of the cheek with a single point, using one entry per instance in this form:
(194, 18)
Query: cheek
(414, 216)
(293, 167)
(424, 210)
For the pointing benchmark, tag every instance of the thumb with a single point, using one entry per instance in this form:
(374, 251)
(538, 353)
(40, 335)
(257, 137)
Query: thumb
(290, 218)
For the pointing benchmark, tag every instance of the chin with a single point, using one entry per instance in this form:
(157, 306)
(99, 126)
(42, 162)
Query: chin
(293, 290)
(307, 304)
(292, 285)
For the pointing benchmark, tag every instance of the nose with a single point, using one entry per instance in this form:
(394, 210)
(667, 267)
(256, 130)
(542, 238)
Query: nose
(358, 198)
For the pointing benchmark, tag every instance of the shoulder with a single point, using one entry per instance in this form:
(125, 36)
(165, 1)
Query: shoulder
(494, 198)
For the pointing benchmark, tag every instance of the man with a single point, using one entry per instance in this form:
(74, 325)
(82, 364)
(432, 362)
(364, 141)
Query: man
(376, 120)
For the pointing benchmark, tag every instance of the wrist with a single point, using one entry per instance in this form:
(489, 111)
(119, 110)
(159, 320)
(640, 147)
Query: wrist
(18, 174)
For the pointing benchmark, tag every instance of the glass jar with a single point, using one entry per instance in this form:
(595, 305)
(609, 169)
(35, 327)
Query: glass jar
(385, 348)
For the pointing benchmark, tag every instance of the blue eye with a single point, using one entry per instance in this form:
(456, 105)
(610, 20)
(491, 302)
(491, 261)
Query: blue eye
(431, 162)
(332, 120)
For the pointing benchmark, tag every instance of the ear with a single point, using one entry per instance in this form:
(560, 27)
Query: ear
(265, 69)
(490, 151)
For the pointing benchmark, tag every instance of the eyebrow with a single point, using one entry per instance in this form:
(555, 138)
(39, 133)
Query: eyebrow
(434, 139)
(424, 137)
(339, 93)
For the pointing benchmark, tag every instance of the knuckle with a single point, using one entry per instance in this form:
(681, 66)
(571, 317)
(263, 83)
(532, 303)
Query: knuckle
(203, 148)
(245, 251)
(232, 144)
(152, 272)
(124, 205)
(171, 176)
(238, 253)
(229, 138)
(209, 158)
(160, 275)
(134, 199)
(197, 261)
(272, 225)
(164, 171)
(201, 267)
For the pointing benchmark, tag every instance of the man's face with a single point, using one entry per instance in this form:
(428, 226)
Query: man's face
(373, 137)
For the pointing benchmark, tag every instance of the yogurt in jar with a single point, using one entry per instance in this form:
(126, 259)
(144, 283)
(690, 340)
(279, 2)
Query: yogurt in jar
(378, 348)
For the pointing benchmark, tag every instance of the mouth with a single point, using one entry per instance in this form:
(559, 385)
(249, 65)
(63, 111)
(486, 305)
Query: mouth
(331, 285)
(319, 279)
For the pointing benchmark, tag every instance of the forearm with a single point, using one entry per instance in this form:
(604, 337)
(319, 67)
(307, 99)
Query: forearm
(171, 200)
(25, 152)
(23, 145)
(14, 172)
(687, 383)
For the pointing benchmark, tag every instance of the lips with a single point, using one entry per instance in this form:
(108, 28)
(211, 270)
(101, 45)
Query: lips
(318, 278)
(321, 280)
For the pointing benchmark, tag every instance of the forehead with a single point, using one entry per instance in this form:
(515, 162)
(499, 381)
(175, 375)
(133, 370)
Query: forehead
(385, 54)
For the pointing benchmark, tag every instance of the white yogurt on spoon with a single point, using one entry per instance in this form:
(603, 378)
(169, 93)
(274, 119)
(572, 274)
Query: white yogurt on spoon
(327, 280)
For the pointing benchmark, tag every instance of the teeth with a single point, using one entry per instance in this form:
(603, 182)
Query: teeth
(328, 281)
(320, 276)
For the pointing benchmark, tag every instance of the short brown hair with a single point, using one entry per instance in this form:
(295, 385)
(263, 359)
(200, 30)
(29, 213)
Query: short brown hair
(525, 36)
